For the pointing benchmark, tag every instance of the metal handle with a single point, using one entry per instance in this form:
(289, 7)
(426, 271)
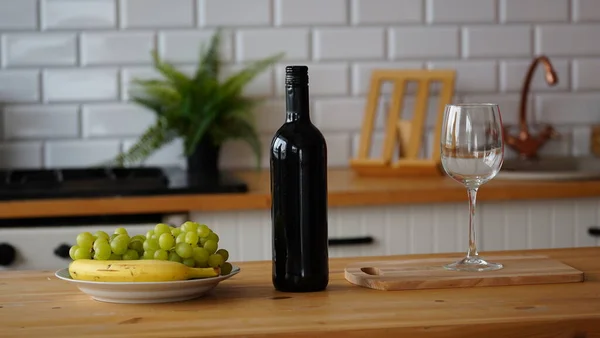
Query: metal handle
(8, 254)
(62, 251)
(351, 241)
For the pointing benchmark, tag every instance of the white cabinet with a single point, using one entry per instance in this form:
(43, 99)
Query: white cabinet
(396, 229)
(539, 224)
(424, 228)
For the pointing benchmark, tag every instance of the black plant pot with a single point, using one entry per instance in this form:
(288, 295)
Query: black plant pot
(203, 164)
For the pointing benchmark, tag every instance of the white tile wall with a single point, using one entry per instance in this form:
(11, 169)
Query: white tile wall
(79, 153)
(365, 12)
(18, 14)
(116, 48)
(39, 122)
(461, 11)
(302, 12)
(72, 14)
(19, 85)
(66, 65)
(423, 42)
(509, 41)
(34, 49)
(348, 43)
(534, 11)
(235, 12)
(255, 44)
(156, 13)
(586, 74)
(586, 10)
(80, 84)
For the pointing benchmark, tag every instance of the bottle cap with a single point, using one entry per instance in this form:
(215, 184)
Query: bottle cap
(296, 75)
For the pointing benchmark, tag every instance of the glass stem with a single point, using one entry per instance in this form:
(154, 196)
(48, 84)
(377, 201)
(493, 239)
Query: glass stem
(472, 193)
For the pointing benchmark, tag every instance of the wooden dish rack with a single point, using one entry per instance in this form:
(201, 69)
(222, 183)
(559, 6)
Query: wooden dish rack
(403, 134)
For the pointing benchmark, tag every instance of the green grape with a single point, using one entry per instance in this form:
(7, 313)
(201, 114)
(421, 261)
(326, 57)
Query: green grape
(149, 254)
(180, 238)
(215, 261)
(184, 250)
(226, 268)
(223, 253)
(191, 238)
(82, 253)
(174, 257)
(137, 246)
(119, 244)
(102, 251)
(113, 236)
(189, 226)
(149, 233)
(98, 241)
(200, 255)
(202, 264)
(203, 230)
(131, 255)
(213, 236)
(161, 228)
(85, 240)
(121, 231)
(211, 246)
(175, 232)
(151, 244)
(161, 255)
(166, 241)
(101, 234)
(115, 257)
(138, 238)
(72, 251)
(189, 262)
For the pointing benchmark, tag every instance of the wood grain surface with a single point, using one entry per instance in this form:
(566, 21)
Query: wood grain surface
(36, 304)
(429, 273)
(345, 189)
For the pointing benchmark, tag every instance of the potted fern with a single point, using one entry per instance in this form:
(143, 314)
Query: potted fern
(203, 110)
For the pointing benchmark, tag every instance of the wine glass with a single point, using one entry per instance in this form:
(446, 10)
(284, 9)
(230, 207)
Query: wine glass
(472, 150)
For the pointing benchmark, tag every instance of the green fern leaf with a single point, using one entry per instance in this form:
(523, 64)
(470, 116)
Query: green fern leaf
(180, 80)
(234, 85)
(151, 140)
(210, 61)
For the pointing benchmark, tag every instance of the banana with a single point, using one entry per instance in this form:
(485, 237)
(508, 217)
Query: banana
(136, 271)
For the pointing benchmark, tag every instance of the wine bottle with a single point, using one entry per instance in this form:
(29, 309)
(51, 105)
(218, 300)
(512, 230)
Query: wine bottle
(298, 164)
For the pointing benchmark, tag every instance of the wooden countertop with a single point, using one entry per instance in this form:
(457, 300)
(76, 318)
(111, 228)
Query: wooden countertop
(345, 189)
(36, 304)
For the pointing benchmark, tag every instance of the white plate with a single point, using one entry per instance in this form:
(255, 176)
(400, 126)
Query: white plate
(146, 292)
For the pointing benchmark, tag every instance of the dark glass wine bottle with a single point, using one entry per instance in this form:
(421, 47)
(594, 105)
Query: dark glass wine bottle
(299, 194)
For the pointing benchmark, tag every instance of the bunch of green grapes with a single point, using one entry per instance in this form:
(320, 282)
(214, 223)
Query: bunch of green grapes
(192, 244)
(101, 246)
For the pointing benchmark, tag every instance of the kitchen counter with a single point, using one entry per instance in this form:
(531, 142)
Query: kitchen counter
(345, 189)
(36, 304)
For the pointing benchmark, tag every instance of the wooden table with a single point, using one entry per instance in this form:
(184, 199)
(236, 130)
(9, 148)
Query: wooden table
(36, 304)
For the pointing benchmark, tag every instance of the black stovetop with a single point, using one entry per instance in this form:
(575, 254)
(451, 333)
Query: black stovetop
(16, 184)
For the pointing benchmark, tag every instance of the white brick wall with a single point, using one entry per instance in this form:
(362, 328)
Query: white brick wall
(65, 65)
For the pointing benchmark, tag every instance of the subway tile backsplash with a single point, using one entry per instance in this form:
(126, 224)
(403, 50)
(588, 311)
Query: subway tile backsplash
(66, 66)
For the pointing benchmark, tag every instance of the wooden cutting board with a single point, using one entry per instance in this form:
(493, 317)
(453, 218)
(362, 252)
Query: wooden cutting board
(414, 274)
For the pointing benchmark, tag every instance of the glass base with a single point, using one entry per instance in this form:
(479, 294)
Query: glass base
(473, 264)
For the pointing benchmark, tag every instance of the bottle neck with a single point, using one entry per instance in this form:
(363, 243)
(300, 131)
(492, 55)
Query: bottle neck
(296, 101)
